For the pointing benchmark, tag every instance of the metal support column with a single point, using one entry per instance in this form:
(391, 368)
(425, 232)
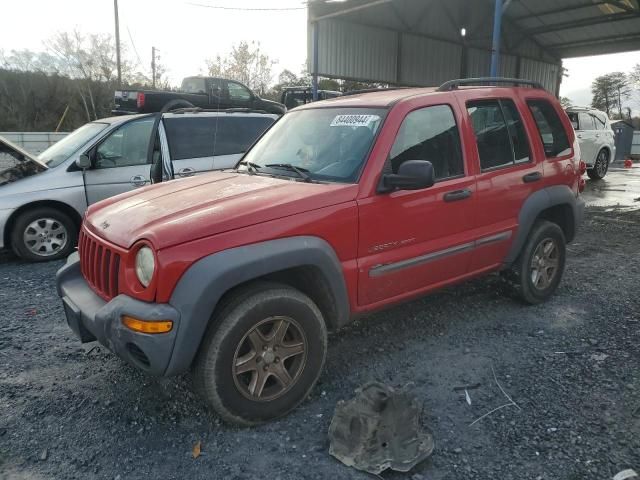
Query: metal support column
(314, 73)
(495, 49)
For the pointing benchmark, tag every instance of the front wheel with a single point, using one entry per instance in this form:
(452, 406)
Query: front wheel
(43, 234)
(600, 167)
(537, 273)
(262, 354)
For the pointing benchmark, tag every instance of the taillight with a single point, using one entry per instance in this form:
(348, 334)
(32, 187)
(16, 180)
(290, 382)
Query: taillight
(140, 102)
(581, 184)
(582, 167)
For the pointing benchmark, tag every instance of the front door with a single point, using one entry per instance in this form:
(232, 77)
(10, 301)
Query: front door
(412, 240)
(119, 162)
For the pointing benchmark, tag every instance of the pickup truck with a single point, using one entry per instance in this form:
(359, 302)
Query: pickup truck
(342, 208)
(203, 92)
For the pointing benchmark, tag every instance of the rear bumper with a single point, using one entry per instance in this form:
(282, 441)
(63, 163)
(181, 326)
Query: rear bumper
(91, 318)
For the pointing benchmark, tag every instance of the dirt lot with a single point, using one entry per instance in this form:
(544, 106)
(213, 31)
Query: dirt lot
(571, 366)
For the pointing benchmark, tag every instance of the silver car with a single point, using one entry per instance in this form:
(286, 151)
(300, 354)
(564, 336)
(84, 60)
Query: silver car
(42, 199)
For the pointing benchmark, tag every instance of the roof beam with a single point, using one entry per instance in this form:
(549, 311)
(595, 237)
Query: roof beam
(595, 41)
(573, 8)
(585, 22)
(349, 10)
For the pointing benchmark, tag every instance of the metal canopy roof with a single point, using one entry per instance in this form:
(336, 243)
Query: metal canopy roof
(562, 28)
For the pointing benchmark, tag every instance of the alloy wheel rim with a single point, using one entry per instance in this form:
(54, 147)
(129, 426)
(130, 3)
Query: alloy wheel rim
(270, 359)
(45, 237)
(544, 264)
(601, 164)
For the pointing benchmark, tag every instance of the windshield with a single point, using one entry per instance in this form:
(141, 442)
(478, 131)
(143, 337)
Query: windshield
(60, 151)
(326, 143)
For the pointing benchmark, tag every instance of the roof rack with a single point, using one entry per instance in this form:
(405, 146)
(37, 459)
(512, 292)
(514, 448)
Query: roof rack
(218, 110)
(371, 90)
(483, 81)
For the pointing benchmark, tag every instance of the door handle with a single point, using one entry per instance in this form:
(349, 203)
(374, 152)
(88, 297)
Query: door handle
(186, 172)
(456, 195)
(532, 177)
(597, 135)
(579, 135)
(138, 181)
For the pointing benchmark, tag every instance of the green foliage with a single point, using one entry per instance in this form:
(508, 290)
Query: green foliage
(609, 91)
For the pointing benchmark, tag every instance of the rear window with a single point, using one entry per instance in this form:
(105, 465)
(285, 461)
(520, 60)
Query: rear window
(197, 137)
(550, 127)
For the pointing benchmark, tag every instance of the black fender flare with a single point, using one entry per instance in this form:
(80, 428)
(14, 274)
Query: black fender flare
(207, 280)
(535, 204)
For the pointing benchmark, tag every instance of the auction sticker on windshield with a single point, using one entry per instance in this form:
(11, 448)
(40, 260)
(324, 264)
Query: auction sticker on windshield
(353, 120)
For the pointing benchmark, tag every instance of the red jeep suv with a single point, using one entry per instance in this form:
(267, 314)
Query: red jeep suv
(343, 207)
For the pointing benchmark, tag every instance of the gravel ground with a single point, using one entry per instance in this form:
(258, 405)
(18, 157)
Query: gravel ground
(571, 367)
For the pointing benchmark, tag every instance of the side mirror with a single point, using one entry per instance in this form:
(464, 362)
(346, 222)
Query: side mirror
(83, 162)
(412, 175)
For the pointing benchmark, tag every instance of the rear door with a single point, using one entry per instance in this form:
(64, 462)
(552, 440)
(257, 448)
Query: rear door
(508, 174)
(119, 161)
(412, 240)
(587, 137)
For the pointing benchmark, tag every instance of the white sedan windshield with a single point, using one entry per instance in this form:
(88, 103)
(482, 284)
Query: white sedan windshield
(325, 143)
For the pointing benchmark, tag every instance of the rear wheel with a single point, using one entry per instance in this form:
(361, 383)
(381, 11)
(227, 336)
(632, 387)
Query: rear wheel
(600, 167)
(537, 273)
(43, 234)
(262, 354)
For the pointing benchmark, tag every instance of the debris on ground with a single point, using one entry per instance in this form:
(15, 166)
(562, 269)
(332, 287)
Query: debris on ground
(628, 474)
(379, 429)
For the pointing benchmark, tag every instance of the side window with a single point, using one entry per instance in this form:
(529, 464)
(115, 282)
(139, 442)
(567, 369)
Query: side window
(600, 122)
(126, 146)
(430, 134)
(517, 133)
(237, 134)
(238, 92)
(492, 133)
(550, 127)
(574, 120)
(209, 136)
(585, 122)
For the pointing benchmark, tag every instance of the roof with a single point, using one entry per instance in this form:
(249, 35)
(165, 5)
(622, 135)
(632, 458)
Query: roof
(560, 28)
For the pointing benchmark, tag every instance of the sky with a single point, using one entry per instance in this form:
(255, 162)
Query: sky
(186, 32)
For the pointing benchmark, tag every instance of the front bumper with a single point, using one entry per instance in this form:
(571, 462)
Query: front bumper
(92, 318)
(5, 213)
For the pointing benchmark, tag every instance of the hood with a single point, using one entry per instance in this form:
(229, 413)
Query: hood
(16, 163)
(175, 212)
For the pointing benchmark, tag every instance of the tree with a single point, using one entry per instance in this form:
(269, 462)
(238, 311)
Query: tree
(634, 76)
(609, 91)
(246, 63)
(565, 102)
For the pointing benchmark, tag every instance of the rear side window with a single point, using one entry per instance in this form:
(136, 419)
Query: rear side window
(600, 121)
(194, 137)
(586, 122)
(430, 134)
(552, 133)
(500, 134)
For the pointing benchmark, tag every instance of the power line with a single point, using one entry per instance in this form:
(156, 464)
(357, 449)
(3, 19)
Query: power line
(246, 9)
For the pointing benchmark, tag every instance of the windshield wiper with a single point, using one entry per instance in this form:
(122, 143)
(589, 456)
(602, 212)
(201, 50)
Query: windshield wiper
(251, 167)
(287, 166)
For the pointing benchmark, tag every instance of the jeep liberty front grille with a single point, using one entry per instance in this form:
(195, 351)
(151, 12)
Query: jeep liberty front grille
(100, 265)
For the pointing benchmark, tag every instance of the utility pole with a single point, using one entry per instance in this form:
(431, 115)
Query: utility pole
(153, 67)
(115, 8)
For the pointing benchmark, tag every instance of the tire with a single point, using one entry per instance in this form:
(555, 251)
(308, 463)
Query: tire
(525, 277)
(176, 104)
(247, 320)
(43, 234)
(600, 167)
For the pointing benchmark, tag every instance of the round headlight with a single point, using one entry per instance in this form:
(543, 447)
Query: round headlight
(145, 265)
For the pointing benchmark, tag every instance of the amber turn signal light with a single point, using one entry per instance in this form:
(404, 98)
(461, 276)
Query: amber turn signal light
(146, 326)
